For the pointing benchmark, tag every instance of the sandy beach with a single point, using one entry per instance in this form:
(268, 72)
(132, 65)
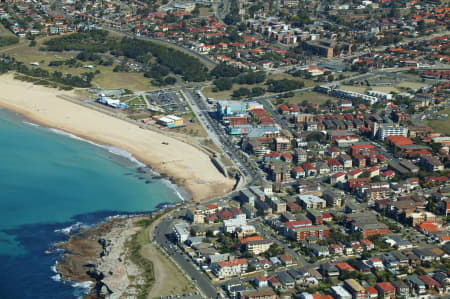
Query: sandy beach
(182, 161)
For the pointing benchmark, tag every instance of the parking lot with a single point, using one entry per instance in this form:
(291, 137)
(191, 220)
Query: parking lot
(193, 295)
(170, 101)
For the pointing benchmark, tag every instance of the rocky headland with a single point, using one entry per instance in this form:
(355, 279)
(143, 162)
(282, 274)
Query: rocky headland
(101, 255)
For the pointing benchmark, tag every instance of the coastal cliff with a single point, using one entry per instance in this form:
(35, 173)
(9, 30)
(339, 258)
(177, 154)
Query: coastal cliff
(101, 255)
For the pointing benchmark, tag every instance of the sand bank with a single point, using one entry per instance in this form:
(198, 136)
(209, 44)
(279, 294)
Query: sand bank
(186, 163)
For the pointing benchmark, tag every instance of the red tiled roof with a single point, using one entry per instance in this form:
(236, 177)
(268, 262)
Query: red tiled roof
(298, 169)
(386, 286)
(355, 171)
(309, 166)
(344, 266)
(232, 263)
(372, 169)
(371, 290)
(338, 174)
(249, 239)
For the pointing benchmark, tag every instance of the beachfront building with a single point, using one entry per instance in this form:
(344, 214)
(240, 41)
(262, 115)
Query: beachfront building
(114, 103)
(181, 232)
(231, 108)
(171, 121)
(229, 268)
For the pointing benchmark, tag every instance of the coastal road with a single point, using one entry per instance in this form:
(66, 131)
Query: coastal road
(162, 231)
(246, 166)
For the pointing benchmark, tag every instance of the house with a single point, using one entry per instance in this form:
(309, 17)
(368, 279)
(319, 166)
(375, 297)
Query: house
(229, 268)
(371, 292)
(300, 233)
(376, 263)
(338, 177)
(386, 290)
(367, 244)
(300, 155)
(322, 168)
(443, 280)
(336, 249)
(373, 171)
(401, 289)
(296, 275)
(298, 172)
(286, 259)
(357, 291)
(339, 292)
(354, 174)
(274, 282)
(362, 267)
(261, 281)
(343, 266)
(329, 270)
(431, 284)
(315, 216)
(402, 260)
(431, 163)
(257, 247)
(424, 254)
(320, 251)
(333, 199)
(415, 283)
(311, 202)
(389, 261)
(286, 280)
(263, 293)
(310, 169)
(346, 161)
(335, 165)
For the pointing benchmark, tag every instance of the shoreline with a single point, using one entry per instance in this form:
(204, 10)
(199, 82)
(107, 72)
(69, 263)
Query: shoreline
(180, 191)
(182, 163)
(100, 259)
(141, 167)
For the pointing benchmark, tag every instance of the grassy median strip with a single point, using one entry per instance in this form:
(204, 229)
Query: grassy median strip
(135, 246)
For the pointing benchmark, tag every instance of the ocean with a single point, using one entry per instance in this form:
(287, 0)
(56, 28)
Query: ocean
(52, 183)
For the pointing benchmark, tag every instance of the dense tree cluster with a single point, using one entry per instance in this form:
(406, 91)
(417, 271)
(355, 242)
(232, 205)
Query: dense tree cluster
(251, 78)
(95, 41)
(71, 62)
(178, 62)
(83, 80)
(225, 70)
(224, 82)
(233, 16)
(245, 92)
(8, 40)
(284, 85)
(167, 59)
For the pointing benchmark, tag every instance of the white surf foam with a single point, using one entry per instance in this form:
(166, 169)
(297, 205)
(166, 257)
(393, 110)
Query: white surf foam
(54, 267)
(69, 229)
(112, 149)
(82, 288)
(122, 153)
(31, 124)
(83, 285)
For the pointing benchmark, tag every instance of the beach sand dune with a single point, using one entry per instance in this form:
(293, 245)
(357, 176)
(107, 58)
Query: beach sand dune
(186, 163)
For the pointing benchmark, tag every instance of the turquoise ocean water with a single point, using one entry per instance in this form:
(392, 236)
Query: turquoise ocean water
(50, 183)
